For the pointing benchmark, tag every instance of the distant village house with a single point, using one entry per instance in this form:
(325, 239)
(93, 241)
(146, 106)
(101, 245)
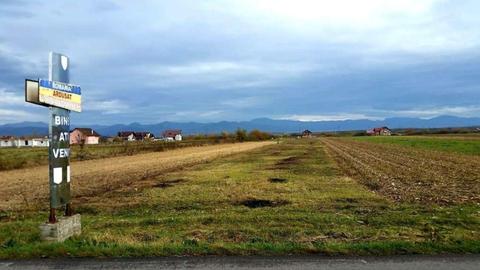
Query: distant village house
(6, 141)
(126, 135)
(135, 136)
(379, 131)
(84, 135)
(172, 135)
(306, 133)
(11, 141)
(144, 135)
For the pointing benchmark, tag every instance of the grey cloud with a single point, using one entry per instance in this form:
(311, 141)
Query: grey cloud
(155, 60)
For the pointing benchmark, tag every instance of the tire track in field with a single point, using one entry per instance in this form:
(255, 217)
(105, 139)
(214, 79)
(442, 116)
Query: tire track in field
(408, 174)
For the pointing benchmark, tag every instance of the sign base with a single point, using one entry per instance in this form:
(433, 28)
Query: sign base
(65, 228)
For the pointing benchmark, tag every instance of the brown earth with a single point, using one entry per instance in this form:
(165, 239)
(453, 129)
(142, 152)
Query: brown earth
(407, 174)
(28, 188)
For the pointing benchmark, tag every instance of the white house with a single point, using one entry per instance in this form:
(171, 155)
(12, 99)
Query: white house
(127, 135)
(136, 135)
(23, 142)
(10, 141)
(172, 135)
(40, 142)
(6, 141)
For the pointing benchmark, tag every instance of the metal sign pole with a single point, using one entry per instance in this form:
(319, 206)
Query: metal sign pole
(59, 148)
(61, 97)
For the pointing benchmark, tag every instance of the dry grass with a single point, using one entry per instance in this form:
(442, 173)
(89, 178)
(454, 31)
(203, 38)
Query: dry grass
(28, 188)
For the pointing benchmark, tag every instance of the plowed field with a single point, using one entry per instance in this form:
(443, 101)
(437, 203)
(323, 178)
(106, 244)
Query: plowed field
(408, 174)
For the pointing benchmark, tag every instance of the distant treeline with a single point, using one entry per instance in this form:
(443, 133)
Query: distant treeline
(403, 131)
(426, 131)
(240, 135)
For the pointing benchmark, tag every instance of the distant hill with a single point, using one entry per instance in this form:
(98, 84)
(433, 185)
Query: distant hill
(265, 124)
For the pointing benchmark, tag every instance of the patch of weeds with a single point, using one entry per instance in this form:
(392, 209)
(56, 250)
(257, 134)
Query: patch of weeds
(85, 209)
(4, 216)
(329, 171)
(347, 200)
(207, 220)
(345, 206)
(169, 183)
(257, 203)
(431, 233)
(145, 236)
(338, 235)
(372, 184)
(363, 211)
(188, 207)
(190, 242)
(151, 222)
(287, 162)
(9, 243)
(82, 243)
(277, 180)
(256, 239)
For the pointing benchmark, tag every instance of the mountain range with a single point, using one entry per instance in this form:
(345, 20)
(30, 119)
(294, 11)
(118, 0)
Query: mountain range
(264, 124)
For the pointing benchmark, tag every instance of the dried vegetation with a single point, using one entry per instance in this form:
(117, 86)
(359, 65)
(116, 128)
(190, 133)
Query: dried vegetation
(28, 188)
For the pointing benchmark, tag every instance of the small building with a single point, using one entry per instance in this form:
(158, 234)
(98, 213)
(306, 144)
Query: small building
(172, 135)
(84, 135)
(40, 142)
(379, 131)
(144, 135)
(23, 142)
(10, 141)
(306, 133)
(135, 136)
(126, 135)
(6, 141)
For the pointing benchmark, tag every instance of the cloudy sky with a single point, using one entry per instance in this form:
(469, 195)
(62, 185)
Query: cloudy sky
(153, 61)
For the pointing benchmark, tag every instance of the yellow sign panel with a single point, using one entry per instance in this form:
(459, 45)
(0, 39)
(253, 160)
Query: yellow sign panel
(61, 95)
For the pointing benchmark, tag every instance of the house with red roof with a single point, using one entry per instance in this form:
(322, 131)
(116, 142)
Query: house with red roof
(379, 131)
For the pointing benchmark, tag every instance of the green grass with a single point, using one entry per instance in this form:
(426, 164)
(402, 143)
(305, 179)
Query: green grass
(14, 158)
(201, 211)
(464, 145)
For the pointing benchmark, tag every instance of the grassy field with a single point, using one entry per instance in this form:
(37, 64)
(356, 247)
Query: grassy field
(283, 198)
(448, 143)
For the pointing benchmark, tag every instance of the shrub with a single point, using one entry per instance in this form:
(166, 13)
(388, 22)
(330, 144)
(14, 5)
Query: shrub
(241, 135)
(257, 135)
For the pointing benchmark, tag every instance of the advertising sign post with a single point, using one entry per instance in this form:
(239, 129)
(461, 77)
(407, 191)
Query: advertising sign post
(61, 97)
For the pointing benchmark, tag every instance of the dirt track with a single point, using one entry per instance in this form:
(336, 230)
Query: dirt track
(407, 174)
(28, 188)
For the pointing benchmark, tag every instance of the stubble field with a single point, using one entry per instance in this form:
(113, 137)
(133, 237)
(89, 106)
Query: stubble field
(408, 173)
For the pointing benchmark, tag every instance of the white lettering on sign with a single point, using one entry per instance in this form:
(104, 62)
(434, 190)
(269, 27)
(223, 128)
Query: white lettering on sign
(62, 86)
(61, 152)
(57, 175)
(68, 174)
(64, 136)
(62, 120)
